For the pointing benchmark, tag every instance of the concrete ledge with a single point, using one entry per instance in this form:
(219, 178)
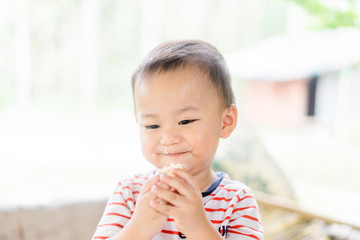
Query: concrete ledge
(66, 222)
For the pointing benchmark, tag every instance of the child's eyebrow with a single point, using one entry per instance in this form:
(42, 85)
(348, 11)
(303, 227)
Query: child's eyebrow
(187, 109)
(179, 111)
(148, 115)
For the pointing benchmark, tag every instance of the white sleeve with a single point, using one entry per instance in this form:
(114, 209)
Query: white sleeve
(117, 213)
(245, 222)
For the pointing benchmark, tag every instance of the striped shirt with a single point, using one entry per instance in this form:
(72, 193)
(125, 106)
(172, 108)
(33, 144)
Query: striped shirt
(229, 205)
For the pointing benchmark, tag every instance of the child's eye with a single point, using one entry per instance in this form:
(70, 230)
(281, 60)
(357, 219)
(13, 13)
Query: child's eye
(184, 122)
(152, 126)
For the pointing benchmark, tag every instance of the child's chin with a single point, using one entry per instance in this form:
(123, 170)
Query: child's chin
(177, 158)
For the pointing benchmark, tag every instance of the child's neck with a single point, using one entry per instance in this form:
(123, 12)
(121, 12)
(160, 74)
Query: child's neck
(205, 179)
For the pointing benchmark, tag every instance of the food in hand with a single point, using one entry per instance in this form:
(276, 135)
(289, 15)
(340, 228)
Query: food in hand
(167, 169)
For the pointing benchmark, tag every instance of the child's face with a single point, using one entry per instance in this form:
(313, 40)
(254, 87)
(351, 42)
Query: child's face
(180, 117)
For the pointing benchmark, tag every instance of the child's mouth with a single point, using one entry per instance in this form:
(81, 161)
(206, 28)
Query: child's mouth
(176, 156)
(179, 154)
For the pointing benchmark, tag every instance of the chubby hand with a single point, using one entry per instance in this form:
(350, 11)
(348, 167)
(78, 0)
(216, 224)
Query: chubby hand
(183, 201)
(150, 220)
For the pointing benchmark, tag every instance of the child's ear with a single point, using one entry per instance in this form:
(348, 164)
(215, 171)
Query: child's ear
(228, 121)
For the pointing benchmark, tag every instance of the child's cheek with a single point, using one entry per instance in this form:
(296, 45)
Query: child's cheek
(144, 144)
(148, 147)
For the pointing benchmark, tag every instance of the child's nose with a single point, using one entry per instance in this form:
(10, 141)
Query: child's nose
(170, 137)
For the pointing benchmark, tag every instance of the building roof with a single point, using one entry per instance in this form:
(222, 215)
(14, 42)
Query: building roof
(297, 55)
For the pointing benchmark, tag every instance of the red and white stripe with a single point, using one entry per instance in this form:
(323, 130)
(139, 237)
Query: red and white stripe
(231, 204)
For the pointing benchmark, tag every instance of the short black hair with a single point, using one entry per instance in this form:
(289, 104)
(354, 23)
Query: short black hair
(172, 55)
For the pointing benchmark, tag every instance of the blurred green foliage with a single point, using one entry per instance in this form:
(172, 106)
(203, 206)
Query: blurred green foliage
(327, 16)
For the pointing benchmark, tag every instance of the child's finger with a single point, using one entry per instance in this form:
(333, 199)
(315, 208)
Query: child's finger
(186, 177)
(163, 185)
(177, 183)
(166, 196)
(149, 183)
(162, 207)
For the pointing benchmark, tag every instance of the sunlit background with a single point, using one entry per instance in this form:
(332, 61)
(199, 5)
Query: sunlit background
(67, 129)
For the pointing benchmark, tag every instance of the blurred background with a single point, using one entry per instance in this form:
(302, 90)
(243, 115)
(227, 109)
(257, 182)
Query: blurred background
(67, 128)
